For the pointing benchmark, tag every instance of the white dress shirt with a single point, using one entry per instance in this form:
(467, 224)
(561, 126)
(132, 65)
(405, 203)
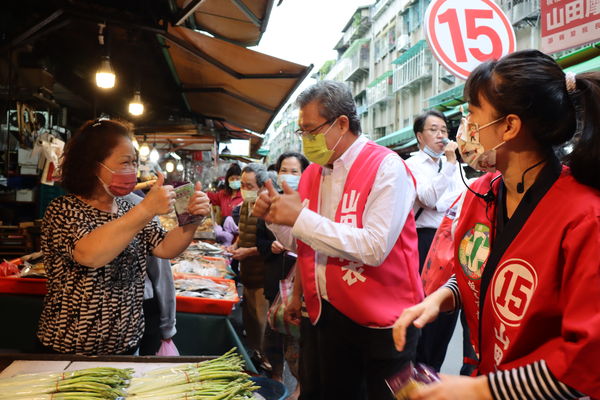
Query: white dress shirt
(436, 191)
(386, 209)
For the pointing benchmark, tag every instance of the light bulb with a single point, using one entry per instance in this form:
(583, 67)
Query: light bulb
(135, 144)
(105, 76)
(179, 166)
(170, 166)
(144, 150)
(136, 107)
(154, 156)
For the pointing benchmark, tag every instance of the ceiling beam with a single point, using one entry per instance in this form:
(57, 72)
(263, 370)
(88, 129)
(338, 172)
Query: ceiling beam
(37, 28)
(187, 11)
(248, 13)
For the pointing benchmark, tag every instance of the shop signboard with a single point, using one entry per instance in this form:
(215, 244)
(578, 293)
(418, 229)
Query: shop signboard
(568, 23)
(464, 33)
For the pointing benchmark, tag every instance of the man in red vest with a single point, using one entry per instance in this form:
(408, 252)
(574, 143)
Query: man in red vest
(352, 226)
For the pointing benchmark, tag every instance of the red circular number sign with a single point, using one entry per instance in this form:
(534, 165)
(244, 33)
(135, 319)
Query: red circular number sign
(464, 33)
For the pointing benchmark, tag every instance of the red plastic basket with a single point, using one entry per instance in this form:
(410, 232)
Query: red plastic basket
(16, 285)
(199, 305)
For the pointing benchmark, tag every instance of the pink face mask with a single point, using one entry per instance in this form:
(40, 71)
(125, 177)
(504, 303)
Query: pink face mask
(121, 182)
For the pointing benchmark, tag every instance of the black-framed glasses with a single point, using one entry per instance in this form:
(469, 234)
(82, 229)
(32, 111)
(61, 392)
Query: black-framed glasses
(302, 132)
(436, 130)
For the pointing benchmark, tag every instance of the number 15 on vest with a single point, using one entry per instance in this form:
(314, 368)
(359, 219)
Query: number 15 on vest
(464, 33)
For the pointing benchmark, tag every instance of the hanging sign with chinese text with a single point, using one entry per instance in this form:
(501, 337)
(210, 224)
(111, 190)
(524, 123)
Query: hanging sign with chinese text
(568, 23)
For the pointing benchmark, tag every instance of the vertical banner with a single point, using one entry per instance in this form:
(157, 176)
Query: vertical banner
(568, 23)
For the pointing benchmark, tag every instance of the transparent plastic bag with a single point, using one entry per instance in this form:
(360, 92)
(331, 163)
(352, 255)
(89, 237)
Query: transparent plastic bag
(167, 349)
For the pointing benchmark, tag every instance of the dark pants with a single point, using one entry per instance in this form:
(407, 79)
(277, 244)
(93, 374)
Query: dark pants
(150, 342)
(436, 335)
(355, 360)
(308, 369)
(425, 237)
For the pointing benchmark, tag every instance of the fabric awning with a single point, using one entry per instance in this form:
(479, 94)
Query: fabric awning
(223, 81)
(586, 66)
(397, 138)
(239, 21)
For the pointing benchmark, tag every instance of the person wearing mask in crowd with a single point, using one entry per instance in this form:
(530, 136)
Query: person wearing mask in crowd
(159, 303)
(96, 244)
(356, 243)
(229, 197)
(279, 262)
(252, 264)
(527, 237)
(436, 171)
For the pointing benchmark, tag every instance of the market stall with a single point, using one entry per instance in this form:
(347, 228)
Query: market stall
(205, 299)
(115, 377)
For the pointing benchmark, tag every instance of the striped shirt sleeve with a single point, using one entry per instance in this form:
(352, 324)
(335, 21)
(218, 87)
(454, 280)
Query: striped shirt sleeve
(453, 286)
(529, 382)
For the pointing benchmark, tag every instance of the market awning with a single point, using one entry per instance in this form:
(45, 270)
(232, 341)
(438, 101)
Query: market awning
(586, 66)
(410, 143)
(223, 81)
(239, 21)
(397, 138)
(408, 54)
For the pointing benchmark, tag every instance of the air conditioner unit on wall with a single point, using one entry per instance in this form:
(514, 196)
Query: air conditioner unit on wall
(447, 77)
(403, 42)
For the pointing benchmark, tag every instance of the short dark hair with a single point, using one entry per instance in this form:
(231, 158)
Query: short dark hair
(533, 86)
(335, 99)
(261, 173)
(271, 167)
(93, 142)
(419, 123)
(234, 169)
(300, 157)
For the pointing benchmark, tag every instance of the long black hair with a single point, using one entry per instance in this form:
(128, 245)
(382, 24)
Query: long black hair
(533, 86)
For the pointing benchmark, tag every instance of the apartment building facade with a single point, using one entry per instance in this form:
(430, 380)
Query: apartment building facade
(384, 58)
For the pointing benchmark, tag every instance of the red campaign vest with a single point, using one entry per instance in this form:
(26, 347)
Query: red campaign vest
(370, 296)
(542, 302)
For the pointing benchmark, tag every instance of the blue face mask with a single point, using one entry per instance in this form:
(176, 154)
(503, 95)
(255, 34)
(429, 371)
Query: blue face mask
(432, 153)
(292, 180)
(235, 185)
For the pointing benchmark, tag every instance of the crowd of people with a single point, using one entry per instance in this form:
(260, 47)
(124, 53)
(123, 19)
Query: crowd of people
(352, 224)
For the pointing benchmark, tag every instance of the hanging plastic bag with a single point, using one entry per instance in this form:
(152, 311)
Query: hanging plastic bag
(167, 349)
(438, 267)
(275, 316)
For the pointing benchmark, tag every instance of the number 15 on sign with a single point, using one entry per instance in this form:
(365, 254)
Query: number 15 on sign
(464, 33)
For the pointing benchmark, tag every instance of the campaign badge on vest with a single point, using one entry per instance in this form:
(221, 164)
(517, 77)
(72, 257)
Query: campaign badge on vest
(474, 250)
(513, 285)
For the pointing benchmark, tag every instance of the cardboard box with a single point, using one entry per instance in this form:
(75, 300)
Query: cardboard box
(25, 195)
(25, 157)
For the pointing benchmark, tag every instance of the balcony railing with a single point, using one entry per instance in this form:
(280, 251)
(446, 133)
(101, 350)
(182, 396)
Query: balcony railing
(360, 110)
(381, 89)
(357, 57)
(519, 11)
(413, 66)
(379, 7)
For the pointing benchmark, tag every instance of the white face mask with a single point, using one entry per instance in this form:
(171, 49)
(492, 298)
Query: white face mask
(249, 195)
(471, 149)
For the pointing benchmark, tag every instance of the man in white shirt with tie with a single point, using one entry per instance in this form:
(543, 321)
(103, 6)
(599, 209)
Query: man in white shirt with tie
(352, 226)
(436, 170)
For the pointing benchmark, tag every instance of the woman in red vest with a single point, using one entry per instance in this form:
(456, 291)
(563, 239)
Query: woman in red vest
(527, 240)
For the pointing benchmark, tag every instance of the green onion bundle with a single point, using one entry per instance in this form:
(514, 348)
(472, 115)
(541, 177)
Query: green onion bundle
(85, 384)
(219, 379)
(222, 378)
